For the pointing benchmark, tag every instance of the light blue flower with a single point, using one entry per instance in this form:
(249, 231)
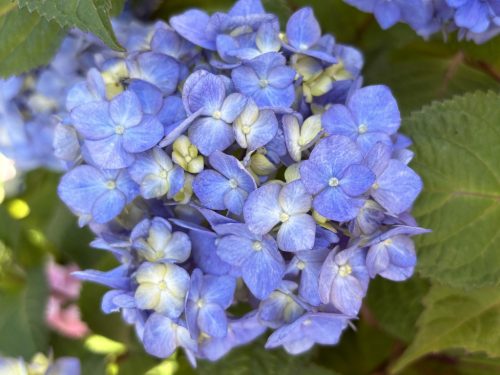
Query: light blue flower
(267, 80)
(370, 115)
(257, 257)
(205, 94)
(156, 175)
(396, 185)
(309, 329)
(162, 336)
(288, 206)
(208, 298)
(303, 35)
(280, 307)
(334, 175)
(98, 195)
(225, 187)
(117, 130)
(391, 254)
(344, 279)
(255, 128)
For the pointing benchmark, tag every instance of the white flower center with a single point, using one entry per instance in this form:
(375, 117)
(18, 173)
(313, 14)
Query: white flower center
(284, 217)
(257, 246)
(233, 183)
(333, 182)
(301, 265)
(111, 184)
(345, 270)
(245, 129)
(217, 115)
(362, 128)
(119, 129)
(263, 83)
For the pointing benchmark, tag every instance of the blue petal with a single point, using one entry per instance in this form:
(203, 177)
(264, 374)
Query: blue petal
(262, 210)
(263, 271)
(274, 97)
(156, 68)
(356, 180)
(294, 199)
(203, 90)
(125, 109)
(246, 7)
(210, 188)
(209, 135)
(281, 77)
(109, 152)
(245, 80)
(219, 290)
(212, 320)
(108, 206)
(334, 204)
(192, 25)
(387, 13)
(80, 187)
(204, 254)
(375, 107)
(234, 250)
(144, 136)
(398, 187)
(297, 233)
(377, 260)
(150, 97)
(116, 278)
(160, 336)
(302, 29)
(232, 168)
(232, 107)
(92, 120)
(234, 200)
(263, 130)
(338, 120)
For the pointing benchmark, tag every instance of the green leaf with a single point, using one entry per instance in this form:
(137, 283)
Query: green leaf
(359, 352)
(397, 306)
(22, 316)
(254, 359)
(26, 39)
(454, 319)
(88, 15)
(457, 144)
(417, 78)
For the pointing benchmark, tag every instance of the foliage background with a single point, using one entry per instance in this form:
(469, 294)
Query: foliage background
(445, 320)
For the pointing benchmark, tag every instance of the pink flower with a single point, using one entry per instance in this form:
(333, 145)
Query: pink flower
(65, 320)
(61, 282)
(62, 315)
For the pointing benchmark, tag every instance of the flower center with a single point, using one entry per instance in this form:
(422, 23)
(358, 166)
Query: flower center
(263, 83)
(345, 270)
(333, 182)
(188, 158)
(375, 186)
(388, 242)
(257, 246)
(119, 129)
(301, 265)
(284, 217)
(217, 115)
(245, 129)
(111, 184)
(200, 303)
(307, 322)
(163, 173)
(162, 285)
(233, 183)
(362, 128)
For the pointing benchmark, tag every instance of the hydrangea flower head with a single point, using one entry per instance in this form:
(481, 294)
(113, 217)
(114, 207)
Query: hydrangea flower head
(223, 162)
